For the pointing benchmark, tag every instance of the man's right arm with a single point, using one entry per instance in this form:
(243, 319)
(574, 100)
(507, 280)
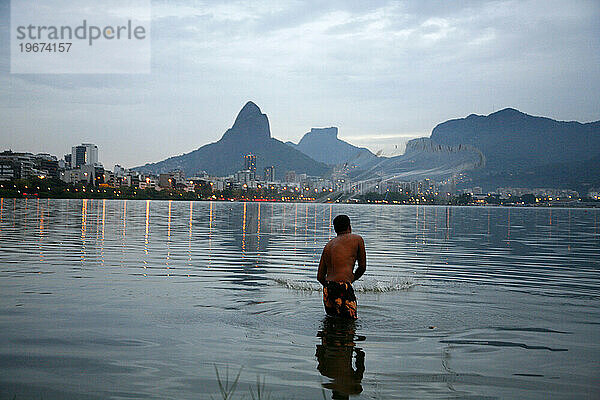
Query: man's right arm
(361, 257)
(322, 273)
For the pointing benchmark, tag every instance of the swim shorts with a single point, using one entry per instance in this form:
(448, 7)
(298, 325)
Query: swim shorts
(339, 299)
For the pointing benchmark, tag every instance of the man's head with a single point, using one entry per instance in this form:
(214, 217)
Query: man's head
(341, 223)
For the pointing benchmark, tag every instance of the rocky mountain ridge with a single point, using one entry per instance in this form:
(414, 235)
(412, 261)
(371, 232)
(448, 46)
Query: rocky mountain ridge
(250, 133)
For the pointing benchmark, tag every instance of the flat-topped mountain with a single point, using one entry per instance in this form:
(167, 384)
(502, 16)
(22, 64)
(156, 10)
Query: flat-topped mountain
(323, 144)
(250, 133)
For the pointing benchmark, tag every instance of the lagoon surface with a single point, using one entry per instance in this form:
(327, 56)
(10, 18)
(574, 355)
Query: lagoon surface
(104, 299)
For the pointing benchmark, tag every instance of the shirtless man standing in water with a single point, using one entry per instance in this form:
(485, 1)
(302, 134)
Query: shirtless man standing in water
(336, 269)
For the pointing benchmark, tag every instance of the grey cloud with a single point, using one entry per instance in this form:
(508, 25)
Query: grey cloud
(376, 69)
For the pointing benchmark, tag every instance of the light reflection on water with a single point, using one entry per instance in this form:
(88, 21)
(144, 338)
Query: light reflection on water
(118, 299)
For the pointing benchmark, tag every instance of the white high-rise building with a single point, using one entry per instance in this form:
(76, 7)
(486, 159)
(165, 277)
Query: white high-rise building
(84, 154)
(91, 153)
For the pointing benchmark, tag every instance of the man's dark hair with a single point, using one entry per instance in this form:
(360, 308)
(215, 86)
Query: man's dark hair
(341, 223)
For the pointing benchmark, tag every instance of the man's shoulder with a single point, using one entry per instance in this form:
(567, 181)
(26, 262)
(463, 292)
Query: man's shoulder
(350, 237)
(356, 237)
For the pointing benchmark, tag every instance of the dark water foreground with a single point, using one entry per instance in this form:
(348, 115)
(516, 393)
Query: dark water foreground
(143, 299)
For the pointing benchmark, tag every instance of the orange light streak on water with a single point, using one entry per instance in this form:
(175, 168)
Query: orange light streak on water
(146, 235)
(258, 231)
(190, 235)
(169, 236)
(102, 241)
(83, 218)
(41, 233)
(244, 230)
(103, 217)
(83, 227)
(147, 226)
(210, 218)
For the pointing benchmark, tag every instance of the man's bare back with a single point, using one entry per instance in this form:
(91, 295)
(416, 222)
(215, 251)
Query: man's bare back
(340, 255)
(336, 269)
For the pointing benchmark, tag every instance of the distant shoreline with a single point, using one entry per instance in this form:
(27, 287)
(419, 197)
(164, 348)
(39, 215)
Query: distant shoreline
(55, 189)
(575, 205)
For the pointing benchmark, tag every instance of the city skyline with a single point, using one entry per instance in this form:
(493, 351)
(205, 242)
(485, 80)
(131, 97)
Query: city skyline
(420, 64)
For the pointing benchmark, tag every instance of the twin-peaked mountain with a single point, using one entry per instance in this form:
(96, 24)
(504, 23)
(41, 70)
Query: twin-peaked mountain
(250, 133)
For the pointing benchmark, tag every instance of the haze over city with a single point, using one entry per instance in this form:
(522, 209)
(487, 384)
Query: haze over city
(383, 72)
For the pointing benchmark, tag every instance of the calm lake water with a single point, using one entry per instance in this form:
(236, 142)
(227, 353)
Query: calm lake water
(144, 299)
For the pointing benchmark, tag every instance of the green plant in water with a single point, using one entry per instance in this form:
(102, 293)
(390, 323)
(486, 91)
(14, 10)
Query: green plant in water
(261, 393)
(227, 390)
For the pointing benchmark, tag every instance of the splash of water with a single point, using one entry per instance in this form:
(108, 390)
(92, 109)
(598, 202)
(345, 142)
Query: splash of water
(390, 285)
(366, 286)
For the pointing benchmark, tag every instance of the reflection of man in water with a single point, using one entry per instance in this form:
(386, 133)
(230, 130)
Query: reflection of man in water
(335, 354)
(336, 266)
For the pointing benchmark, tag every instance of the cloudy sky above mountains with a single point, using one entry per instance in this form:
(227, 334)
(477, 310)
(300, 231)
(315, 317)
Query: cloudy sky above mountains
(383, 72)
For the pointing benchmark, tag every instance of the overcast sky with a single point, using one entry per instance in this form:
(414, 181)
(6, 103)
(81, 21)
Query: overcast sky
(382, 71)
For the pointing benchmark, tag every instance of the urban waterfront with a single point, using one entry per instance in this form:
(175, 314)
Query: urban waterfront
(127, 299)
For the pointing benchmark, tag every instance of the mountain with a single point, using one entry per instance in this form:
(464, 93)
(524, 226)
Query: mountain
(250, 133)
(510, 136)
(422, 159)
(323, 144)
(516, 144)
(580, 176)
